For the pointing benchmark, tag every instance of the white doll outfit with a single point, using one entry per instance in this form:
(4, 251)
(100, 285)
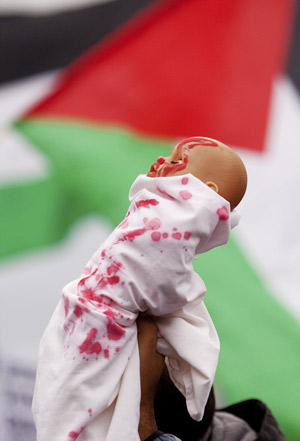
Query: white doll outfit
(88, 382)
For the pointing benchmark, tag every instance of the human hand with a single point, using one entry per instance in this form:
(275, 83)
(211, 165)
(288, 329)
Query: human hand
(151, 368)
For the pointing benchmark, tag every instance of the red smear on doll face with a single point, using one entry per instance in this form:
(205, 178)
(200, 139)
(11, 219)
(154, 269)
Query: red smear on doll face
(114, 331)
(106, 353)
(165, 235)
(163, 167)
(145, 203)
(90, 412)
(156, 236)
(173, 168)
(223, 213)
(184, 180)
(185, 195)
(88, 347)
(195, 141)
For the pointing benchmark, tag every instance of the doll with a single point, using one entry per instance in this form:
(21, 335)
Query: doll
(87, 385)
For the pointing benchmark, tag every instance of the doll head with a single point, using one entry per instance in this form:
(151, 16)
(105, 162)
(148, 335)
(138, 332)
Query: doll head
(214, 163)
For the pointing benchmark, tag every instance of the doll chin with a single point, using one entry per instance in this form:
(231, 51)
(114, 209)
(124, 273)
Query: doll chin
(151, 174)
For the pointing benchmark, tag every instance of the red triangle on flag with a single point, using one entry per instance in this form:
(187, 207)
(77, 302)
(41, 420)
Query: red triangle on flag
(184, 68)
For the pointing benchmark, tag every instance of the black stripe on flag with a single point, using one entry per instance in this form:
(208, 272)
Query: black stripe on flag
(294, 59)
(32, 44)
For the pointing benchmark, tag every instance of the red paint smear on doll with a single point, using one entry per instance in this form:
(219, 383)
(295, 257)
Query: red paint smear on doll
(87, 270)
(78, 311)
(124, 224)
(86, 293)
(187, 235)
(152, 224)
(176, 236)
(131, 235)
(146, 203)
(223, 213)
(104, 281)
(174, 168)
(162, 168)
(195, 141)
(190, 143)
(90, 412)
(184, 180)
(185, 195)
(156, 236)
(88, 347)
(66, 304)
(110, 313)
(75, 435)
(106, 353)
(165, 235)
(68, 325)
(113, 269)
(114, 331)
(165, 193)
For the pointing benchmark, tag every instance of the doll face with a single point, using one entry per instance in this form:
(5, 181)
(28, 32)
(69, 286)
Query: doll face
(179, 160)
(210, 161)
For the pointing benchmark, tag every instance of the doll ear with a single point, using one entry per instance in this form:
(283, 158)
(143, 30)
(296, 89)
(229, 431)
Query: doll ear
(213, 186)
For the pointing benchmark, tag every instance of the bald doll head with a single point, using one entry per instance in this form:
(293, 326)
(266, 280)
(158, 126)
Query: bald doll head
(214, 163)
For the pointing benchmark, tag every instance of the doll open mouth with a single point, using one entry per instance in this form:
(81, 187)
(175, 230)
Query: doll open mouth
(155, 170)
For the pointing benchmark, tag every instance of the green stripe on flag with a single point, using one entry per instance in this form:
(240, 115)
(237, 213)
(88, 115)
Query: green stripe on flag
(259, 339)
(31, 215)
(96, 165)
(92, 170)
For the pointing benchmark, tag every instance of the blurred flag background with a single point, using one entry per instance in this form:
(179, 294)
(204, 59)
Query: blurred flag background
(91, 93)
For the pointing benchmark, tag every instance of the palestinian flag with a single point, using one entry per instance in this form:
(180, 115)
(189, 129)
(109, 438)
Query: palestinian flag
(174, 69)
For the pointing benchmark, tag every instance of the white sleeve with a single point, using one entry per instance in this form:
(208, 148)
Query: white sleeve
(191, 345)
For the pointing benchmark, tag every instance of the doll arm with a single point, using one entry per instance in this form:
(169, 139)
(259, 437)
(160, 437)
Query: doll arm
(191, 345)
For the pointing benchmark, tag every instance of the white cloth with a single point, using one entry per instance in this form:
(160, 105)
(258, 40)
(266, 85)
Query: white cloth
(88, 385)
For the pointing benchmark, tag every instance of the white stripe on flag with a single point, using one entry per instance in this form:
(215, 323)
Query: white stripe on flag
(19, 160)
(18, 96)
(45, 6)
(269, 230)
